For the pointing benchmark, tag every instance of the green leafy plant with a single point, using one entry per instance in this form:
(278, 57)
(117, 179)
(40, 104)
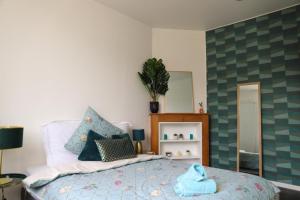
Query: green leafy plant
(155, 78)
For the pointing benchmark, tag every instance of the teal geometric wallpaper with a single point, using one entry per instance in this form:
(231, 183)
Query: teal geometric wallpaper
(264, 49)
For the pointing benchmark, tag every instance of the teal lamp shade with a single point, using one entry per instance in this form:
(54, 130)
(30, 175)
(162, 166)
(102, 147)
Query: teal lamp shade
(138, 134)
(11, 137)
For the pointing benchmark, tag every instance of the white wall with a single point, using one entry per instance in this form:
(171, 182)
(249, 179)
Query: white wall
(183, 50)
(59, 56)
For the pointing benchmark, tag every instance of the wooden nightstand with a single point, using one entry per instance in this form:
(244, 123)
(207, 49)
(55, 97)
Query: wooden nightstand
(16, 180)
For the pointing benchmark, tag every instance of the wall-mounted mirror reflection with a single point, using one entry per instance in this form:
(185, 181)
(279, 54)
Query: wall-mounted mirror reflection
(249, 155)
(180, 96)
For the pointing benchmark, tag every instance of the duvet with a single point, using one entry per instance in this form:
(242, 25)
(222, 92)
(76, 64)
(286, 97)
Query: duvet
(145, 178)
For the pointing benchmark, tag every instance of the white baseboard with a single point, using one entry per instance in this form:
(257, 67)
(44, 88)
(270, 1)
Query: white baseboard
(285, 185)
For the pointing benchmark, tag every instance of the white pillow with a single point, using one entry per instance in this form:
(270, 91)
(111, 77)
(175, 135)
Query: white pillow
(124, 126)
(57, 133)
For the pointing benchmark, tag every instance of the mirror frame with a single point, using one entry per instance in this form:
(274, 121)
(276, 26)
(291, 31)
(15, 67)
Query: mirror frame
(193, 93)
(259, 126)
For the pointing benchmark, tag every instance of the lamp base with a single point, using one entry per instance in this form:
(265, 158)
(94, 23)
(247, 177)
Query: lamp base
(138, 147)
(4, 181)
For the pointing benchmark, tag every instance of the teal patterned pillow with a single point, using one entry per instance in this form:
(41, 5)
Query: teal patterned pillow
(115, 149)
(91, 121)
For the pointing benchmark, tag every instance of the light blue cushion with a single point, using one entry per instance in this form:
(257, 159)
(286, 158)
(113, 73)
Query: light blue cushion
(91, 121)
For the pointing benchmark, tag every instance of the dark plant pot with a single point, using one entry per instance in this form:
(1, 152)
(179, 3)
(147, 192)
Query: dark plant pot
(154, 106)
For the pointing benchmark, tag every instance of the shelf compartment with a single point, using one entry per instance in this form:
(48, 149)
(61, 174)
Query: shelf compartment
(185, 128)
(181, 147)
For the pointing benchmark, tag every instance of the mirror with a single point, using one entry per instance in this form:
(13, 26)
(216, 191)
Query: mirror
(180, 96)
(249, 147)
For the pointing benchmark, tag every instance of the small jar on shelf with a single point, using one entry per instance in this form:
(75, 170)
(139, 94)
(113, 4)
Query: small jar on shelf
(175, 136)
(181, 137)
(169, 154)
(191, 136)
(165, 136)
(188, 153)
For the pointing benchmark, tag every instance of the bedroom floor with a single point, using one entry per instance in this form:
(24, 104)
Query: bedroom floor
(287, 194)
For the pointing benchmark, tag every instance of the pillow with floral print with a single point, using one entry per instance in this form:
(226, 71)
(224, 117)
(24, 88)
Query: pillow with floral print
(91, 121)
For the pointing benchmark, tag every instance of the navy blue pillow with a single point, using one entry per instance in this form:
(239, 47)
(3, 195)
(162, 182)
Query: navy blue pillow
(90, 151)
(121, 136)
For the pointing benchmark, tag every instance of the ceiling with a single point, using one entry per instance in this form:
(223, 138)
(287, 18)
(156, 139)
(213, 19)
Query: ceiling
(195, 14)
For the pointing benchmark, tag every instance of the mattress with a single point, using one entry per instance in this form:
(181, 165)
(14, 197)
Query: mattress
(148, 179)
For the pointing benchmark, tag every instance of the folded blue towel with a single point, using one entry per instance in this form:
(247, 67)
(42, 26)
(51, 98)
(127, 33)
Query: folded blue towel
(196, 173)
(187, 188)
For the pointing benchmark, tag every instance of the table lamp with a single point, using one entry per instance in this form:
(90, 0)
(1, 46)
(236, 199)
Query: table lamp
(138, 136)
(10, 137)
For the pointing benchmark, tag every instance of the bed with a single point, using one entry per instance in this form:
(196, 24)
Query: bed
(145, 177)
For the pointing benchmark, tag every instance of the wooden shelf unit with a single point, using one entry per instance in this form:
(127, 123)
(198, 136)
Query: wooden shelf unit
(181, 118)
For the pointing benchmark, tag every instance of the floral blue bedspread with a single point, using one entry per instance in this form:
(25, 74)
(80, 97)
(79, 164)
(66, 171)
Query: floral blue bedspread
(153, 180)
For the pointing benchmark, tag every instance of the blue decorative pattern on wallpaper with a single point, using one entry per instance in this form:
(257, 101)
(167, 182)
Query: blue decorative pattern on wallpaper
(264, 49)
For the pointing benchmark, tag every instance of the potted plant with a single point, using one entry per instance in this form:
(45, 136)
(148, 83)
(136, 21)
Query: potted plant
(155, 78)
(201, 109)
